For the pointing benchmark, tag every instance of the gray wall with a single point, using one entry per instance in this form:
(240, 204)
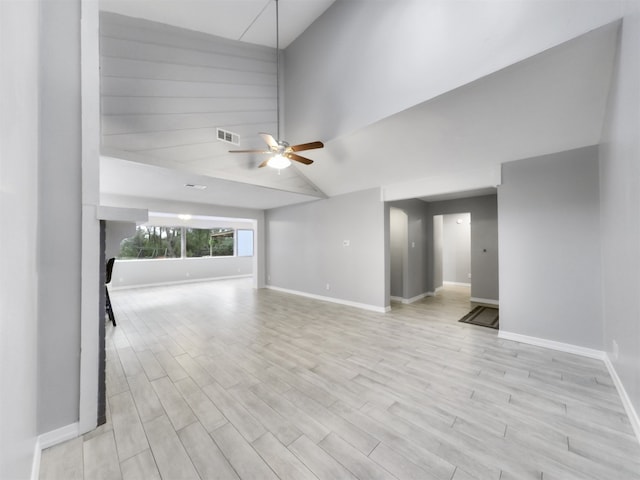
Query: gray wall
(550, 248)
(456, 251)
(620, 210)
(305, 248)
(417, 244)
(115, 233)
(19, 93)
(59, 217)
(484, 242)
(424, 251)
(398, 226)
(438, 239)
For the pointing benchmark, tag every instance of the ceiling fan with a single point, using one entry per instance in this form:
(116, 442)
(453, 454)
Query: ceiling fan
(282, 153)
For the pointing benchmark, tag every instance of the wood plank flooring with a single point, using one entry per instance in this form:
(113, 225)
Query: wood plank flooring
(217, 380)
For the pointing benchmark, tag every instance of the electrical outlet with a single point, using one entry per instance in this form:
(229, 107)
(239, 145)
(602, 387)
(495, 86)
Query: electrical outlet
(413, 244)
(345, 243)
(328, 287)
(615, 350)
(469, 275)
(269, 278)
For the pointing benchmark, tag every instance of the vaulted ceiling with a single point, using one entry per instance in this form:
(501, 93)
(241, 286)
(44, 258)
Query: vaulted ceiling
(165, 90)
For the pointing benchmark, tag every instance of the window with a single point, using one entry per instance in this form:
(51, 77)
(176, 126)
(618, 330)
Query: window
(245, 243)
(215, 242)
(170, 242)
(152, 242)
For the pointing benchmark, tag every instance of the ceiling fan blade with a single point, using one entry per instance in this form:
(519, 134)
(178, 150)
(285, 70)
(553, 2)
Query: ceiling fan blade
(306, 146)
(250, 151)
(269, 140)
(298, 158)
(264, 164)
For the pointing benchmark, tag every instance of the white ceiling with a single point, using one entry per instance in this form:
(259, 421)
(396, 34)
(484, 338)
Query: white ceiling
(123, 177)
(550, 102)
(251, 21)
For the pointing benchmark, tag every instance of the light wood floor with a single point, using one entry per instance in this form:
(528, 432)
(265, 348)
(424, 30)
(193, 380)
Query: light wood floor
(217, 380)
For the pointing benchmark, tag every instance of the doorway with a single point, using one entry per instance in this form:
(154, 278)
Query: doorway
(452, 250)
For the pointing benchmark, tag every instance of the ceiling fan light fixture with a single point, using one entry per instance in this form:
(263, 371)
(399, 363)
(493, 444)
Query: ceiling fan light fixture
(279, 162)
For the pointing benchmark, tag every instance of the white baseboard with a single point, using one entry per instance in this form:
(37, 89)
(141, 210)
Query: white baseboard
(59, 435)
(49, 439)
(487, 301)
(176, 282)
(35, 464)
(459, 284)
(553, 345)
(590, 353)
(407, 301)
(348, 303)
(626, 401)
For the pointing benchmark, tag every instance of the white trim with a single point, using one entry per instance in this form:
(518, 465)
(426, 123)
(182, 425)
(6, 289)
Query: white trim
(62, 434)
(626, 401)
(120, 214)
(348, 303)
(90, 226)
(458, 284)
(49, 439)
(438, 289)
(553, 345)
(178, 282)
(488, 301)
(585, 352)
(35, 464)
(407, 301)
(89, 315)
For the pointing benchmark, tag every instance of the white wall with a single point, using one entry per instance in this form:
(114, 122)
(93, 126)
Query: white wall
(620, 211)
(456, 248)
(135, 273)
(340, 56)
(550, 248)
(305, 248)
(19, 87)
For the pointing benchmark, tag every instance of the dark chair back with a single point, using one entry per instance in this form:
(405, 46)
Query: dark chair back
(110, 263)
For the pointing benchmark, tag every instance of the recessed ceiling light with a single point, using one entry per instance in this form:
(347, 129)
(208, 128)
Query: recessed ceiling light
(184, 216)
(196, 186)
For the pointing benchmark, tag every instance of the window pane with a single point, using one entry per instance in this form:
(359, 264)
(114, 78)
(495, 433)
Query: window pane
(215, 242)
(245, 243)
(152, 242)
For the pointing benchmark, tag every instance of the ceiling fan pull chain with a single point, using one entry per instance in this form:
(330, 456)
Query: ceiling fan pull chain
(277, 71)
(282, 153)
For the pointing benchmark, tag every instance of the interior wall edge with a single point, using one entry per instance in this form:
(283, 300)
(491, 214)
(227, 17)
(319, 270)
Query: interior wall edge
(363, 306)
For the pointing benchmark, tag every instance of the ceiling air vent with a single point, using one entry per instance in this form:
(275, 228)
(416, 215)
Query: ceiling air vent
(226, 136)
